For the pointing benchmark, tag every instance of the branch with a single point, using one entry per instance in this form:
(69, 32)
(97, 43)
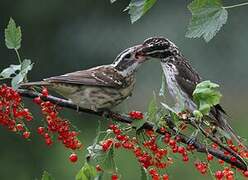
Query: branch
(125, 119)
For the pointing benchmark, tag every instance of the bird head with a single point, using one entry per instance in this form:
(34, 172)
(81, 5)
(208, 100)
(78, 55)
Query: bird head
(158, 47)
(129, 60)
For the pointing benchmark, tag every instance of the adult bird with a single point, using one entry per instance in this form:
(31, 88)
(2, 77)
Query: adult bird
(98, 88)
(182, 79)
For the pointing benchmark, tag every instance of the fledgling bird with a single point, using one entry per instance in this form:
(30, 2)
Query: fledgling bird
(182, 79)
(98, 88)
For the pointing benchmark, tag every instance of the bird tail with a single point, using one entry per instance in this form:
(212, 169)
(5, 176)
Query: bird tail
(38, 83)
(227, 128)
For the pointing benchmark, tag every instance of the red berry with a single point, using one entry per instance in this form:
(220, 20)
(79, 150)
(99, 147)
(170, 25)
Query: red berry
(19, 127)
(165, 177)
(26, 134)
(48, 141)
(114, 177)
(73, 157)
(233, 159)
(44, 92)
(98, 168)
(246, 173)
(172, 142)
(136, 115)
(40, 130)
(219, 175)
(181, 149)
(37, 100)
(210, 157)
(185, 158)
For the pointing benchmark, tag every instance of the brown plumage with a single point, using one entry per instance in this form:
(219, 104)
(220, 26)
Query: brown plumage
(101, 87)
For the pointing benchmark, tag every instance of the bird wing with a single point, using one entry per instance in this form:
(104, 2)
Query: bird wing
(99, 76)
(187, 78)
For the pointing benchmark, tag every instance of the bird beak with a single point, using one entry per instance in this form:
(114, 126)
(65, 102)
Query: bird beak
(139, 54)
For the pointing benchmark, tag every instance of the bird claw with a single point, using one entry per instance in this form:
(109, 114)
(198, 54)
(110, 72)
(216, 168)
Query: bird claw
(191, 140)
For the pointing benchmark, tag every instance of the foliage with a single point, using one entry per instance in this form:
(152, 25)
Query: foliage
(13, 35)
(206, 95)
(208, 16)
(87, 172)
(18, 73)
(47, 176)
(156, 147)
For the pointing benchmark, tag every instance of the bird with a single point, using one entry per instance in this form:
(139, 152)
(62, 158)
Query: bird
(182, 79)
(99, 88)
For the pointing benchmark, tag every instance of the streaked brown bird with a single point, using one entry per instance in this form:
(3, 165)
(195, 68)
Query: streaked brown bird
(182, 79)
(98, 88)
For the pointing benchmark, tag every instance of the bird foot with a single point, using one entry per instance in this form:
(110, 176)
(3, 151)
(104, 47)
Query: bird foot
(193, 138)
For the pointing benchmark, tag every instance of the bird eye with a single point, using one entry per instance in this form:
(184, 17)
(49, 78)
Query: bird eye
(128, 56)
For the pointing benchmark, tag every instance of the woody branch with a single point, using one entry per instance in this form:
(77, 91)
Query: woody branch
(148, 125)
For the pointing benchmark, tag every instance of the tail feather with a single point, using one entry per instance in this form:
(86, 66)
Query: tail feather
(38, 83)
(226, 127)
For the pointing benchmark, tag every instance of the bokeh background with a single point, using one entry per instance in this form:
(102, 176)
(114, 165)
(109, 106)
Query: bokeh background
(62, 36)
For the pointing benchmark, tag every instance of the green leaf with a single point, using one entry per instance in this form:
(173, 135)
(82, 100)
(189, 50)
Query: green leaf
(167, 107)
(11, 70)
(138, 123)
(206, 95)
(152, 109)
(87, 172)
(13, 35)
(25, 67)
(208, 16)
(162, 88)
(137, 8)
(104, 159)
(112, 1)
(46, 176)
(144, 174)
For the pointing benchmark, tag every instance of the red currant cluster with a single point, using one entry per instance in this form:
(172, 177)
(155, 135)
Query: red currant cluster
(149, 155)
(154, 158)
(56, 124)
(12, 113)
(136, 115)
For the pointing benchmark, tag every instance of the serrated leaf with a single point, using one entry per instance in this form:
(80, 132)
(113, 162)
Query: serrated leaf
(206, 95)
(138, 123)
(137, 8)
(87, 172)
(46, 176)
(144, 174)
(13, 35)
(16, 81)
(25, 67)
(162, 88)
(167, 107)
(208, 16)
(104, 159)
(152, 109)
(11, 70)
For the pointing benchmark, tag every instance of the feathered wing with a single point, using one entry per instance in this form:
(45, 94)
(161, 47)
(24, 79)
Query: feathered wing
(105, 76)
(187, 78)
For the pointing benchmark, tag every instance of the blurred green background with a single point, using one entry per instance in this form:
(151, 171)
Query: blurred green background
(62, 36)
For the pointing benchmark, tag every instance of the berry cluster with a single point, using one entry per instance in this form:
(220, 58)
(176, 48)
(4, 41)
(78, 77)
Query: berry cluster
(12, 114)
(136, 115)
(57, 125)
(154, 157)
